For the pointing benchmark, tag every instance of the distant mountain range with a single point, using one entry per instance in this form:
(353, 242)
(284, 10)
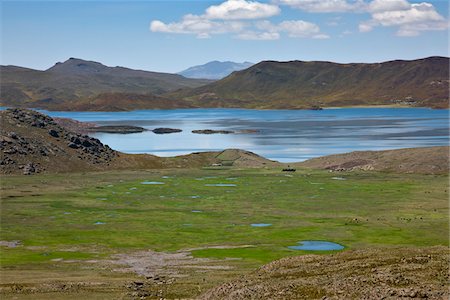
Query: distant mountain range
(83, 85)
(214, 70)
(302, 84)
(76, 82)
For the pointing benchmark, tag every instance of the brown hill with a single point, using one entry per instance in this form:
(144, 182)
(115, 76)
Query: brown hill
(426, 160)
(64, 84)
(126, 102)
(31, 142)
(393, 273)
(301, 84)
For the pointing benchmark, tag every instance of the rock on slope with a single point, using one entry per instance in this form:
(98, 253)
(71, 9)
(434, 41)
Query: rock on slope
(427, 160)
(356, 274)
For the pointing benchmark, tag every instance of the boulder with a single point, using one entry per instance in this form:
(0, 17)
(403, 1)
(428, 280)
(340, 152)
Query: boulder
(53, 133)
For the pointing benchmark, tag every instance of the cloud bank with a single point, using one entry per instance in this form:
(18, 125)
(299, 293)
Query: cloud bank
(240, 18)
(248, 20)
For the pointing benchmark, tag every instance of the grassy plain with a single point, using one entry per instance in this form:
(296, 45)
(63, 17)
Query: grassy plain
(85, 217)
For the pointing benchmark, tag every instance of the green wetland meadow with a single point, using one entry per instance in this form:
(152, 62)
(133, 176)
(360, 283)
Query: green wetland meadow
(80, 217)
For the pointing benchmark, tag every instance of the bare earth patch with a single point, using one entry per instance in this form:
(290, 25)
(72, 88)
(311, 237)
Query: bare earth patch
(10, 244)
(152, 264)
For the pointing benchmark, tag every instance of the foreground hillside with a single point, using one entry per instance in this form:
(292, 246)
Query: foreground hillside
(362, 274)
(301, 84)
(69, 85)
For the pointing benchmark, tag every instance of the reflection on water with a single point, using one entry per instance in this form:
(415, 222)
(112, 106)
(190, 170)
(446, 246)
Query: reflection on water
(284, 135)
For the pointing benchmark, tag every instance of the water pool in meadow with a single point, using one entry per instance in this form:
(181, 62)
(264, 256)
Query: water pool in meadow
(317, 246)
(261, 225)
(152, 182)
(220, 184)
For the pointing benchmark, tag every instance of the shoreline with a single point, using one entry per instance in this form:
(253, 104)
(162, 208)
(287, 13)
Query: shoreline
(229, 108)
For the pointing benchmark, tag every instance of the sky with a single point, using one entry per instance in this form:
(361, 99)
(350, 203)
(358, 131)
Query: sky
(170, 36)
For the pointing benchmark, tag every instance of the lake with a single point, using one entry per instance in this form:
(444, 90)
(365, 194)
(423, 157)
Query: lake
(284, 135)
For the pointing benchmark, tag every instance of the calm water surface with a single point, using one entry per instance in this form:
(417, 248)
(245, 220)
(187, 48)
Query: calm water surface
(285, 135)
(317, 245)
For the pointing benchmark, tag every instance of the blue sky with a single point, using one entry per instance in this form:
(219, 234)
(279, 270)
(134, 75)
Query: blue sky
(170, 36)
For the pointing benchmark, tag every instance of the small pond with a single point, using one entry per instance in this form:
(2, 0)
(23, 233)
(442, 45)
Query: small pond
(220, 184)
(260, 225)
(317, 245)
(151, 182)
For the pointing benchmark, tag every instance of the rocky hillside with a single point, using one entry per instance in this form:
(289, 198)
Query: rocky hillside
(401, 273)
(66, 84)
(426, 160)
(301, 84)
(31, 142)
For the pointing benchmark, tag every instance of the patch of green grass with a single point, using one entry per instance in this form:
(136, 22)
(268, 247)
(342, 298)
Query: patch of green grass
(116, 213)
(19, 256)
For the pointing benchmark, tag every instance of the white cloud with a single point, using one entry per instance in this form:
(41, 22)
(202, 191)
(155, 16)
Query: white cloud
(234, 16)
(198, 25)
(366, 26)
(239, 17)
(240, 10)
(219, 19)
(411, 19)
(261, 36)
(301, 29)
(388, 5)
(416, 29)
(293, 28)
(324, 6)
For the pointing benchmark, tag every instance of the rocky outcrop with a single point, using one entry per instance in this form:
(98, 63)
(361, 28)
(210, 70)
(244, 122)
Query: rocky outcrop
(211, 131)
(166, 130)
(123, 129)
(30, 142)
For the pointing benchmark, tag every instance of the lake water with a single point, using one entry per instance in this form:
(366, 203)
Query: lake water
(285, 135)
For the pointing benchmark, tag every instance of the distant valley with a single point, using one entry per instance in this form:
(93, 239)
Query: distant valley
(85, 85)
